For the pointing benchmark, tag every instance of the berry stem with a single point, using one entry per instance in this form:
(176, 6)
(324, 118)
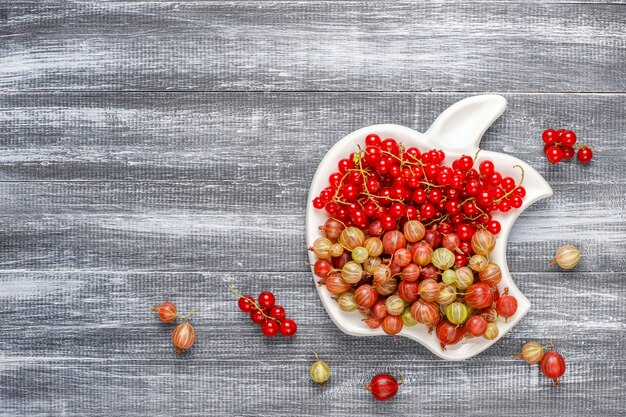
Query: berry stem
(513, 189)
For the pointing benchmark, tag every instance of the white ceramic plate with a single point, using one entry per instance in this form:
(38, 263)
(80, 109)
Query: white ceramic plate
(457, 131)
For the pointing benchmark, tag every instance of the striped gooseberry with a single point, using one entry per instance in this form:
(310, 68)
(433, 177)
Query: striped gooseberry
(490, 315)
(336, 250)
(429, 290)
(395, 305)
(379, 309)
(402, 257)
(553, 366)
(425, 313)
(464, 278)
(383, 387)
(365, 296)
(347, 302)
(448, 333)
(492, 275)
(407, 318)
(167, 311)
(532, 353)
(506, 306)
(336, 285)
(374, 246)
(443, 258)
(322, 268)
(373, 322)
(478, 263)
(322, 248)
(392, 241)
(392, 325)
(483, 242)
(476, 326)
(359, 254)
(422, 253)
(447, 294)
(479, 295)
(414, 231)
(183, 336)
(332, 229)
(381, 274)
(457, 313)
(451, 241)
(408, 291)
(491, 332)
(351, 237)
(351, 272)
(371, 263)
(448, 277)
(387, 288)
(411, 273)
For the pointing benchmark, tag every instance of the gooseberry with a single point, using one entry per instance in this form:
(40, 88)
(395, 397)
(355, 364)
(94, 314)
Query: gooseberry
(492, 331)
(166, 312)
(429, 290)
(492, 275)
(479, 295)
(414, 231)
(395, 305)
(448, 333)
(553, 366)
(383, 387)
(183, 336)
(393, 240)
(351, 237)
(532, 353)
(347, 302)
(392, 325)
(443, 258)
(422, 253)
(457, 313)
(365, 296)
(476, 326)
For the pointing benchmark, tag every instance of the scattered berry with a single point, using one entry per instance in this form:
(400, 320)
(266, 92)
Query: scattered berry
(584, 155)
(271, 317)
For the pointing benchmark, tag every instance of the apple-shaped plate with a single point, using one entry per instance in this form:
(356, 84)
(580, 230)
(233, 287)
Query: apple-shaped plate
(457, 131)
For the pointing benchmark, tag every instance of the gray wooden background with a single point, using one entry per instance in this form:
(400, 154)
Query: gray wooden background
(154, 151)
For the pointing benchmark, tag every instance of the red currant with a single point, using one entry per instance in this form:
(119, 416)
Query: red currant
(453, 206)
(411, 213)
(520, 191)
(266, 299)
(269, 328)
(435, 196)
(277, 312)
(507, 184)
(464, 231)
(568, 152)
(419, 196)
(568, 138)
(245, 303)
(390, 145)
(257, 316)
(344, 165)
(465, 163)
(554, 154)
(372, 140)
(288, 328)
(428, 211)
(584, 155)
(397, 210)
(472, 187)
(486, 168)
(549, 136)
(495, 179)
(335, 179)
(494, 227)
(317, 203)
(504, 206)
(388, 222)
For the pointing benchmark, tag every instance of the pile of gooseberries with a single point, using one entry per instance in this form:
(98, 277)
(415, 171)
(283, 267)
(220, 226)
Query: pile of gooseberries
(408, 240)
(265, 312)
(183, 335)
(551, 363)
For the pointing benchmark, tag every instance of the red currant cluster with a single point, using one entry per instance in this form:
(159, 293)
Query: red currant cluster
(265, 312)
(385, 185)
(559, 145)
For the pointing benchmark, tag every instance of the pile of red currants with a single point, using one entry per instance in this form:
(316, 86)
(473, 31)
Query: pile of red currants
(408, 240)
(559, 145)
(265, 312)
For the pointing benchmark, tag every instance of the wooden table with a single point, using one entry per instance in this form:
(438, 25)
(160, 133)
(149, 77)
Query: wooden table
(154, 151)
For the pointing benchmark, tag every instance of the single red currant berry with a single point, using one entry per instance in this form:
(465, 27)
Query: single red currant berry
(495, 179)
(549, 136)
(387, 222)
(507, 183)
(245, 303)
(383, 166)
(372, 140)
(266, 299)
(465, 163)
(278, 313)
(504, 206)
(486, 168)
(419, 196)
(460, 260)
(584, 155)
(257, 316)
(335, 179)
(435, 196)
(390, 145)
(520, 191)
(288, 328)
(464, 231)
(554, 154)
(453, 206)
(317, 203)
(568, 138)
(344, 165)
(568, 152)
(395, 171)
(472, 187)
(494, 227)
(559, 134)
(269, 328)
(427, 211)
(411, 213)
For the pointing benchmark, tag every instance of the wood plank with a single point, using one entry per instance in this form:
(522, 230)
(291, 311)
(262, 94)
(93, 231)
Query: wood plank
(317, 45)
(86, 316)
(241, 137)
(253, 387)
